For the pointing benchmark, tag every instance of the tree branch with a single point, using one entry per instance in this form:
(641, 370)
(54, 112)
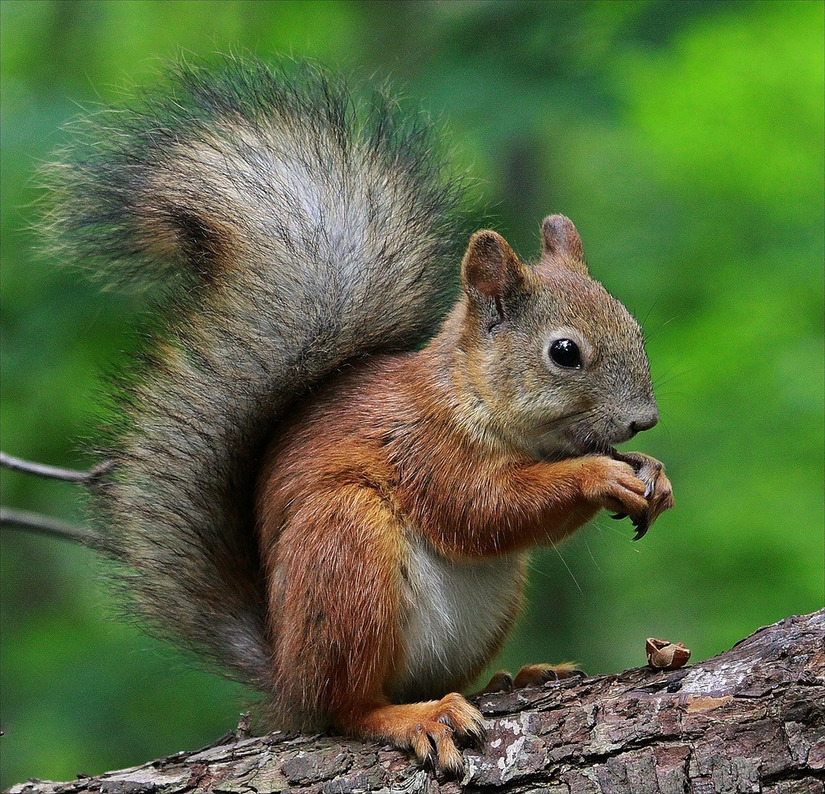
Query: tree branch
(55, 472)
(45, 525)
(39, 524)
(751, 719)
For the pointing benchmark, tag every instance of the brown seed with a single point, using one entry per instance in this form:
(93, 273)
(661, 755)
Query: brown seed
(666, 655)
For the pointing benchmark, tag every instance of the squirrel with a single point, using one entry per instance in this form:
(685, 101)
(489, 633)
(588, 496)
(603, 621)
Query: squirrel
(318, 479)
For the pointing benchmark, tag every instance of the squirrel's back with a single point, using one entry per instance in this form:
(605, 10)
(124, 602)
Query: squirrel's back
(285, 228)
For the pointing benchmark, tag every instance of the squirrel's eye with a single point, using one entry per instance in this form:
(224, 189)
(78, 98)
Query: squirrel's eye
(565, 353)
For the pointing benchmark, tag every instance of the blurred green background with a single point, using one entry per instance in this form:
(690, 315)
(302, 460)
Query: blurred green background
(685, 139)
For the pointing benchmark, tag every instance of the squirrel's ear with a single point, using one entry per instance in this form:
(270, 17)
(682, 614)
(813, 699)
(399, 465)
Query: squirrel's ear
(490, 266)
(561, 243)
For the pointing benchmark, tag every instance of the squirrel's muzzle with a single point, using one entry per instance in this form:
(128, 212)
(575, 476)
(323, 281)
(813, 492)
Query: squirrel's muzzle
(644, 420)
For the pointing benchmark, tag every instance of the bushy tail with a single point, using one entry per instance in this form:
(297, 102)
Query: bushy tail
(288, 229)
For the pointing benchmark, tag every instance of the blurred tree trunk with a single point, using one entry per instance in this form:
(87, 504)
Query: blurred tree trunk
(751, 719)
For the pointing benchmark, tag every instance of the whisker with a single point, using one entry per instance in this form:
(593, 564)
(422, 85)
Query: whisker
(592, 556)
(648, 335)
(569, 570)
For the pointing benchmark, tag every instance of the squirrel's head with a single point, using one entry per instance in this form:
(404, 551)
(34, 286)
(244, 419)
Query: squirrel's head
(556, 364)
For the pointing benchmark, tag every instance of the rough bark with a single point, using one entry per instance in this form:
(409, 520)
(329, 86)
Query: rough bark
(749, 720)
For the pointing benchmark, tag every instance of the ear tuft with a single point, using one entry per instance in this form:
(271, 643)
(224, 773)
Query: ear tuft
(561, 243)
(490, 266)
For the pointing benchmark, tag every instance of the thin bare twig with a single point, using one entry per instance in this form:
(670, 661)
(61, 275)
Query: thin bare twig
(55, 472)
(46, 525)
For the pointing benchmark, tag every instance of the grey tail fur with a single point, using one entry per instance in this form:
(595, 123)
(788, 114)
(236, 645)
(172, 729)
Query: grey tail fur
(284, 229)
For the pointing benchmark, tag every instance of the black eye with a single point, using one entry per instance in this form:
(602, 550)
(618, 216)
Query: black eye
(565, 353)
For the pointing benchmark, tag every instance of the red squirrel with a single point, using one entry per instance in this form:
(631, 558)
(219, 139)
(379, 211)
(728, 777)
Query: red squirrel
(298, 490)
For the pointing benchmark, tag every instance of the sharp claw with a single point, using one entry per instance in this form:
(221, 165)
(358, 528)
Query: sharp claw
(619, 516)
(648, 490)
(642, 525)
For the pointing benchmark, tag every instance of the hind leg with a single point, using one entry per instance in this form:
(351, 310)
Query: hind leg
(338, 622)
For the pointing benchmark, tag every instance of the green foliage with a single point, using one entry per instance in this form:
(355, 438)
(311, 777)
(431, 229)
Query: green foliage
(686, 142)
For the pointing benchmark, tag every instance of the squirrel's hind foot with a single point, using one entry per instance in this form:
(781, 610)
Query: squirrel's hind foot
(429, 729)
(530, 675)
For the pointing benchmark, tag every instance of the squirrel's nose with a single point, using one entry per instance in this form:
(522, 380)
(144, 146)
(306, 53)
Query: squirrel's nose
(644, 421)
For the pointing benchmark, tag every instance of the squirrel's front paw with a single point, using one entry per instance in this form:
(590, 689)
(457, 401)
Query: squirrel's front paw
(629, 484)
(658, 491)
(614, 485)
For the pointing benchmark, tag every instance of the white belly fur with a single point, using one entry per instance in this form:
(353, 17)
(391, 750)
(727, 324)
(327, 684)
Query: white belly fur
(453, 612)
